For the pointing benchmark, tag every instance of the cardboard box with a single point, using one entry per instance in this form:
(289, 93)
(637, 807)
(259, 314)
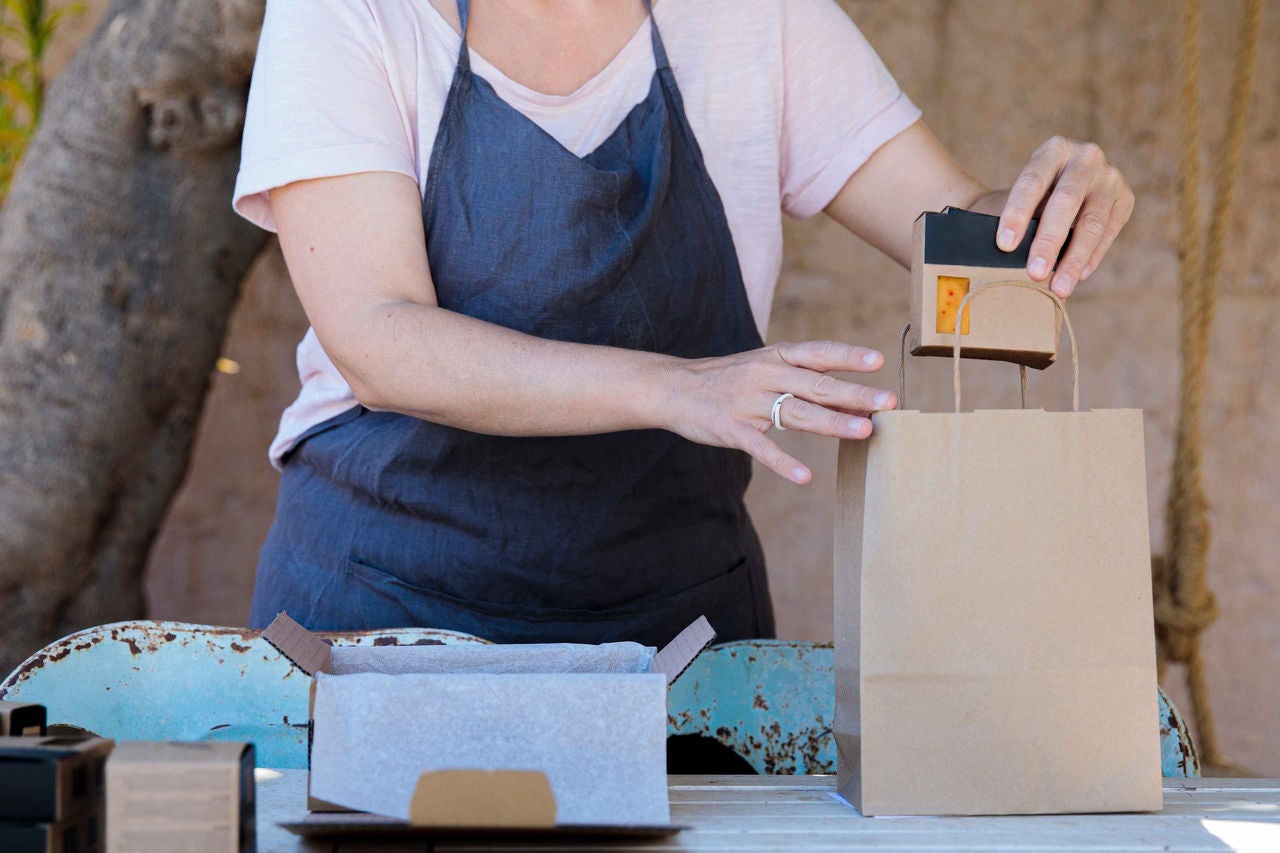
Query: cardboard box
(81, 833)
(22, 719)
(954, 253)
(485, 738)
(48, 779)
(163, 797)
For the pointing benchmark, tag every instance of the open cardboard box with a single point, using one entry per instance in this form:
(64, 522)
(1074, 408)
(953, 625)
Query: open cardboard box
(954, 253)
(454, 740)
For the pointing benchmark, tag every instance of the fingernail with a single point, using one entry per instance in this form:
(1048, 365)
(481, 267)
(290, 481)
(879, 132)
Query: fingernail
(869, 359)
(855, 426)
(882, 400)
(799, 475)
(1061, 284)
(1038, 267)
(1005, 240)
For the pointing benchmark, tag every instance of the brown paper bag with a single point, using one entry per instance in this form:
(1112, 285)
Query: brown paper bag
(995, 647)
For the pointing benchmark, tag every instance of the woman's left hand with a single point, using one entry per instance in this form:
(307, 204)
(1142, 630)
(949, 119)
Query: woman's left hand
(1072, 185)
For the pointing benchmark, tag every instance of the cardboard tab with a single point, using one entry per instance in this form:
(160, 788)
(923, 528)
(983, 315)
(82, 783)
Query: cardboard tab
(472, 798)
(676, 656)
(307, 651)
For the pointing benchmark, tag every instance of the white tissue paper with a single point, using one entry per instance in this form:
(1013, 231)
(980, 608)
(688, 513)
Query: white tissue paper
(599, 737)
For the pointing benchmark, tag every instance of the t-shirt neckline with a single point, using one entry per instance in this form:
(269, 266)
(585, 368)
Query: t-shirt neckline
(515, 90)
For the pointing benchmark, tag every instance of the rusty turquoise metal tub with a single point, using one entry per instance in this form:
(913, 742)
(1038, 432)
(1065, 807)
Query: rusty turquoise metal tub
(771, 701)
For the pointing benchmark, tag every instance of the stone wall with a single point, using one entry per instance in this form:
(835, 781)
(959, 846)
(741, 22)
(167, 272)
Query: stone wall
(994, 77)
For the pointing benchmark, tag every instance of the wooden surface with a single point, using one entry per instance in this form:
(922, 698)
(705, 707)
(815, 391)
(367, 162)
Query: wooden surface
(799, 813)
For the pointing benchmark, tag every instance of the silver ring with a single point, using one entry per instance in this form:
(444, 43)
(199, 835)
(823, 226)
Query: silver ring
(776, 411)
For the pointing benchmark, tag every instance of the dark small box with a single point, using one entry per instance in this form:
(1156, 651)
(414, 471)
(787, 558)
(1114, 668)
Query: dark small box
(48, 779)
(82, 833)
(22, 719)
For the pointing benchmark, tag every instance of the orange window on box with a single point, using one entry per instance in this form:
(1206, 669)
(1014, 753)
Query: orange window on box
(951, 292)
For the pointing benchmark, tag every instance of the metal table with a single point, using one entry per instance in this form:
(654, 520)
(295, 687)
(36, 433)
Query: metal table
(800, 813)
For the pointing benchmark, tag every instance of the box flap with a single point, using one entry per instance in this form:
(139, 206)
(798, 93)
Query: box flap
(676, 655)
(483, 798)
(307, 651)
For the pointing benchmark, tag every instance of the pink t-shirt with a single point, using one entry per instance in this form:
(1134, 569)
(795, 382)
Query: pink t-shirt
(786, 98)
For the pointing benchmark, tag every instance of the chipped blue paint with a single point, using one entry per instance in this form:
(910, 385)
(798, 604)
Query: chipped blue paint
(175, 681)
(771, 701)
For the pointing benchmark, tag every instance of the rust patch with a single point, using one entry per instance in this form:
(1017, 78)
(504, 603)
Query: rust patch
(35, 662)
(133, 647)
(386, 641)
(54, 657)
(759, 702)
(237, 647)
(170, 637)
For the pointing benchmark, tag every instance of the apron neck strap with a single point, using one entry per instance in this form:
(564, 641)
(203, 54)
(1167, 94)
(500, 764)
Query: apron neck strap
(659, 49)
(464, 13)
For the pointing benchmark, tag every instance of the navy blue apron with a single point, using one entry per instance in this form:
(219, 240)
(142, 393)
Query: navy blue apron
(386, 520)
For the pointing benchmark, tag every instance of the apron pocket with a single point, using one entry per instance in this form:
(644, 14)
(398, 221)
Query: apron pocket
(380, 576)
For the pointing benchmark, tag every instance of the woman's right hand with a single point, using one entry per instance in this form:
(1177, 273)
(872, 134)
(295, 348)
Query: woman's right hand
(726, 401)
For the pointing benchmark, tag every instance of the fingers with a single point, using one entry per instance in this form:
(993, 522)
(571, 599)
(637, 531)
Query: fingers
(1029, 190)
(1081, 195)
(1074, 187)
(835, 393)
(1090, 228)
(799, 414)
(1120, 213)
(767, 452)
(830, 355)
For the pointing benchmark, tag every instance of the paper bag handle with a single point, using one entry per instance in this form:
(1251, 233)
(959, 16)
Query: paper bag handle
(1066, 319)
(955, 351)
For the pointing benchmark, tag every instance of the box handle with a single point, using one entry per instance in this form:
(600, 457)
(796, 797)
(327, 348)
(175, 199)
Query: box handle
(1062, 310)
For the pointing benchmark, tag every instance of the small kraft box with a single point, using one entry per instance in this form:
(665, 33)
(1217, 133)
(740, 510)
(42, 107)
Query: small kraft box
(955, 252)
(538, 739)
(49, 779)
(171, 796)
(22, 719)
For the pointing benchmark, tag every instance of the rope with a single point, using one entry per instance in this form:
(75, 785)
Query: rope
(1184, 605)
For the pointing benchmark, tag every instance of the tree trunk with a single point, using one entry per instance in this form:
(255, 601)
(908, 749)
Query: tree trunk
(120, 261)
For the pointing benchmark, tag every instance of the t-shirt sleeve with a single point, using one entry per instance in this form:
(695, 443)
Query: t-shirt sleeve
(840, 104)
(321, 103)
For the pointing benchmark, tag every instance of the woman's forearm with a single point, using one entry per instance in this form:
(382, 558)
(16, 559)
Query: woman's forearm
(445, 367)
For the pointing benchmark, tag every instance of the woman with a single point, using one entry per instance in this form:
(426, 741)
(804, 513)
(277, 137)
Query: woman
(537, 241)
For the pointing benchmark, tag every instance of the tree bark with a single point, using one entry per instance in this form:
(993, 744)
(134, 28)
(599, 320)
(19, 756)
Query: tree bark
(120, 262)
